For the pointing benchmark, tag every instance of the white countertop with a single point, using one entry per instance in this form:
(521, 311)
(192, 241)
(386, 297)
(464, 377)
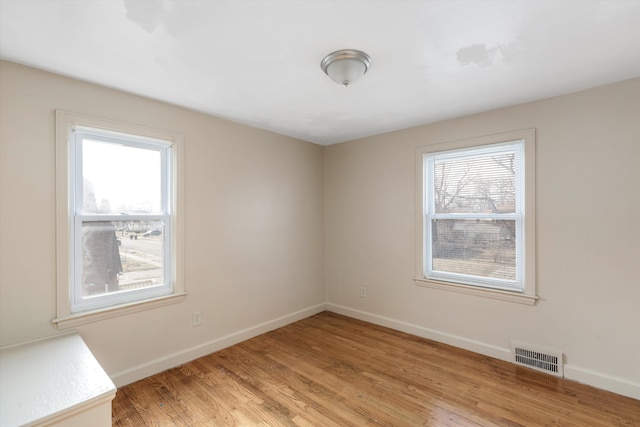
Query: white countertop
(40, 380)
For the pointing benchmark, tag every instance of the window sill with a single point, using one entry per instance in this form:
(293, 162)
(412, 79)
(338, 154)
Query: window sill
(482, 292)
(82, 318)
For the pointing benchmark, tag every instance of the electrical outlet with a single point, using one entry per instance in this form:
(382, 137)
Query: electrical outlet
(196, 318)
(363, 292)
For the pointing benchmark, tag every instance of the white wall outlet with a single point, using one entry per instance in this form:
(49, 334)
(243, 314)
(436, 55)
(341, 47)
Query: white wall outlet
(196, 318)
(363, 292)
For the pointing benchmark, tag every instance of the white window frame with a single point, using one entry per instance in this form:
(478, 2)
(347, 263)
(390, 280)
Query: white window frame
(521, 290)
(72, 309)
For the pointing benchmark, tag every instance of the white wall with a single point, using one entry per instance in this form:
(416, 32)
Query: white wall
(254, 226)
(260, 208)
(588, 236)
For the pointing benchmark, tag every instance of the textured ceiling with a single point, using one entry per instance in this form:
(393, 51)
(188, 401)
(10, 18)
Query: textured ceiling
(258, 62)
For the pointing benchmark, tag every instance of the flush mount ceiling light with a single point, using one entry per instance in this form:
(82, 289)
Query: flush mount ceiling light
(346, 66)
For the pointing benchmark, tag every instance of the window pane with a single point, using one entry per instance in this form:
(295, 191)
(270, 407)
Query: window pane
(121, 256)
(483, 248)
(475, 184)
(119, 178)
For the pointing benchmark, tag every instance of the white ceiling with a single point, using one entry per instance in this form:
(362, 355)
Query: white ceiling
(258, 62)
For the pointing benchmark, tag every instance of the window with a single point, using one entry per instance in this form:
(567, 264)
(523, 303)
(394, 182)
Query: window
(118, 222)
(476, 216)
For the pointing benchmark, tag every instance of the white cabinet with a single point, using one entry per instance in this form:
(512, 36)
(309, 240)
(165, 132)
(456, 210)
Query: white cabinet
(54, 382)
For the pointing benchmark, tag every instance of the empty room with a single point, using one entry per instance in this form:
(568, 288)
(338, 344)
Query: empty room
(319, 213)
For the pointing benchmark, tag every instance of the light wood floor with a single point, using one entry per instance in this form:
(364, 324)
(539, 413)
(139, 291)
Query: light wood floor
(330, 370)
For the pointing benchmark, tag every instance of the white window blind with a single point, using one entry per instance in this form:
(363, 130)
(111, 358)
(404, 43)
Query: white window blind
(474, 216)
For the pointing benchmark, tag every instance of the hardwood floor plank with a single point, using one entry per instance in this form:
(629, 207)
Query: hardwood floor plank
(304, 393)
(329, 370)
(124, 407)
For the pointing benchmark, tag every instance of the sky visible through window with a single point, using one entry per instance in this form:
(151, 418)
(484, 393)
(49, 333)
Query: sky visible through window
(124, 179)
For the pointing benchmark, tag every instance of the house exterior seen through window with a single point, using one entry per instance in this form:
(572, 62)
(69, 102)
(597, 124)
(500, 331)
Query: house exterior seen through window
(122, 224)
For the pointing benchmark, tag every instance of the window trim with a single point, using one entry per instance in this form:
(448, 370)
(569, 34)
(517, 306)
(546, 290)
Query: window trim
(529, 294)
(65, 122)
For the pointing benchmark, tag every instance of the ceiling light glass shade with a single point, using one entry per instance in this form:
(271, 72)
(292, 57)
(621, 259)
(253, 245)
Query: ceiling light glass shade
(346, 66)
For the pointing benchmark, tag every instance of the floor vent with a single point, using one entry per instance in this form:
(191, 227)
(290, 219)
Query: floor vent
(540, 359)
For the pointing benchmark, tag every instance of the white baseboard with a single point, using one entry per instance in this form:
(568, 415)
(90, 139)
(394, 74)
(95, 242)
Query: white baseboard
(575, 373)
(585, 376)
(443, 337)
(172, 360)
(603, 381)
